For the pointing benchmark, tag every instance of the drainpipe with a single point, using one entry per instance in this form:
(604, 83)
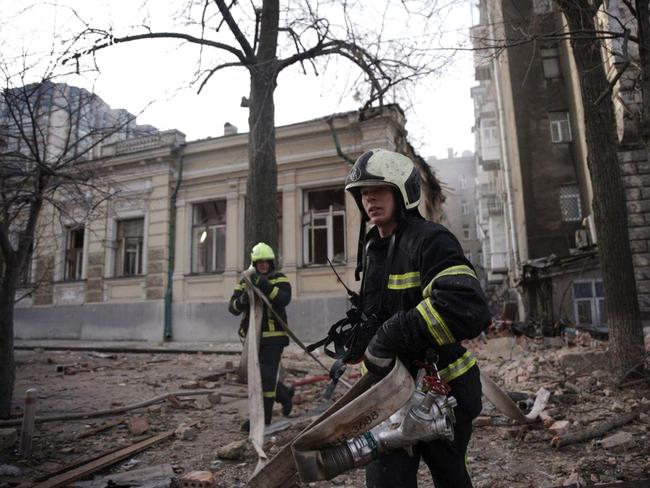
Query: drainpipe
(172, 242)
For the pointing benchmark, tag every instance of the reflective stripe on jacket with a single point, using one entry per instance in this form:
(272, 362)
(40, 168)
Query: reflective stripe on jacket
(279, 296)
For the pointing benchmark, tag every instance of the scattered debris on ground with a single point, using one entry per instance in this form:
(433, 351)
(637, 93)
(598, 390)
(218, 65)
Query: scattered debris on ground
(120, 418)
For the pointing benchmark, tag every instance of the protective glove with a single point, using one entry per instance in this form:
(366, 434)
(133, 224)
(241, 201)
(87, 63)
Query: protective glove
(261, 282)
(402, 333)
(381, 351)
(243, 300)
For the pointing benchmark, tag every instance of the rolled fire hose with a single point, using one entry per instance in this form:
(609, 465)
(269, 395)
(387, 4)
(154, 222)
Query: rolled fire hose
(250, 368)
(360, 409)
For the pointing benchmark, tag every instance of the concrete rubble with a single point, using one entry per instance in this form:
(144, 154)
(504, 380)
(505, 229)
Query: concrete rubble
(204, 426)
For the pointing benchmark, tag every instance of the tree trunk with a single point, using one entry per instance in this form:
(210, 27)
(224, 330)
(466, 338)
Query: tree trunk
(261, 187)
(7, 364)
(610, 213)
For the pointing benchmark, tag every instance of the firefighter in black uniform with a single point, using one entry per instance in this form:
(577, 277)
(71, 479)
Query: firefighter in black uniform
(422, 297)
(277, 288)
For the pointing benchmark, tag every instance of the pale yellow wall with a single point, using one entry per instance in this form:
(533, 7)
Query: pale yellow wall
(217, 169)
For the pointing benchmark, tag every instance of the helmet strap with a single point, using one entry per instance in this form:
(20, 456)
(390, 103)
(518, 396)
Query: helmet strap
(361, 244)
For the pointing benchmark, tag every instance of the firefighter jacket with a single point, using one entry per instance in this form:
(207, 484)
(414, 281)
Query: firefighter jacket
(277, 288)
(430, 284)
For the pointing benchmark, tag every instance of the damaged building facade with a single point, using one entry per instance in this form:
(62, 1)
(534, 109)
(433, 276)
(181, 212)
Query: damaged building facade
(532, 171)
(107, 278)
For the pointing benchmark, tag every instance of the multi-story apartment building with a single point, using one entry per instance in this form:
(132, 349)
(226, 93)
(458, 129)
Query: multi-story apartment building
(108, 278)
(66, 120)
(457, 176)
(532, 154)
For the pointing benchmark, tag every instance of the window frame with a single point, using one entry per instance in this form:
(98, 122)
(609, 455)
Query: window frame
(214, 230)
(560, 128)
(78, 254)
(120, 250)
(308, 226)
(573, 196)
(550, 56)
(595, 300)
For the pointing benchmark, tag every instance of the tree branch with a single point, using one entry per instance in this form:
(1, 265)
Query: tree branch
(214, 70)
(249, 54)
(111, 40)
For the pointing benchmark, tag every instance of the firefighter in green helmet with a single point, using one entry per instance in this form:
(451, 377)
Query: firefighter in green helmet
(277, 288)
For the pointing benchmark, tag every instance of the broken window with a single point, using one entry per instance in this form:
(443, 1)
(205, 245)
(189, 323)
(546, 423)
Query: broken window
(589, 302)
(560, 127)
(570, 203)
(323, 224)
(130, 238)
(209, 237)
(74, 253)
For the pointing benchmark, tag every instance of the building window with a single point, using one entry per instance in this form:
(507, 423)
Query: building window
(468, 255)
(542, 6)
(466, 233)
(462, 182)
(323, 224)
(570, 203)
(550, 63)
(464, 207)
(483, 73)
(560, 127)
(209, 237)
(489, 132)
(129, 256)
(74, 253)
(589, 302)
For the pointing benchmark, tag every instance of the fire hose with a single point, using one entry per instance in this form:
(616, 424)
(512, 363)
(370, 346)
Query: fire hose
(369, 419)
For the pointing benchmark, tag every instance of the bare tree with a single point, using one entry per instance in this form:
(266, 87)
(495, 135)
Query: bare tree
(610, 213)
(266, 38)
(589, 39)
(49, 135)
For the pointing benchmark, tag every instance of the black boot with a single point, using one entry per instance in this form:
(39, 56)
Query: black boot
(268, 410)
(284, 396)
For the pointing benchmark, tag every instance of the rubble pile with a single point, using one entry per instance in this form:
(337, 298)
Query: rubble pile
(178, 416)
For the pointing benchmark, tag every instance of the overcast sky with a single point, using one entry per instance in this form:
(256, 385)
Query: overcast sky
(135, 74)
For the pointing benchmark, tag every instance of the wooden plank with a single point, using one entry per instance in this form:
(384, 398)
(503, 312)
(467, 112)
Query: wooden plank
(102, 462)
(99, 428)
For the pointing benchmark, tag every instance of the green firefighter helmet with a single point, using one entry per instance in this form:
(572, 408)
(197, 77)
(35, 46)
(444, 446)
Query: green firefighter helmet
(382, 167)
(262, 252)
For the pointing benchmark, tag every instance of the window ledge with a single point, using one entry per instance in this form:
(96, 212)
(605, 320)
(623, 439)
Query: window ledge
(126, 278)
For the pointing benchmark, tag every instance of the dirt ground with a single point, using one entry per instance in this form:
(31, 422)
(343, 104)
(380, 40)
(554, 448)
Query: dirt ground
(500, 453)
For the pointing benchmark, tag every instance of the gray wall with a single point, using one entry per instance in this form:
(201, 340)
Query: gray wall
(309, 319)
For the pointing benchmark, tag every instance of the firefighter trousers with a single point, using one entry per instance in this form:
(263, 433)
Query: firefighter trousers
(446, 460)
(272, 389)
